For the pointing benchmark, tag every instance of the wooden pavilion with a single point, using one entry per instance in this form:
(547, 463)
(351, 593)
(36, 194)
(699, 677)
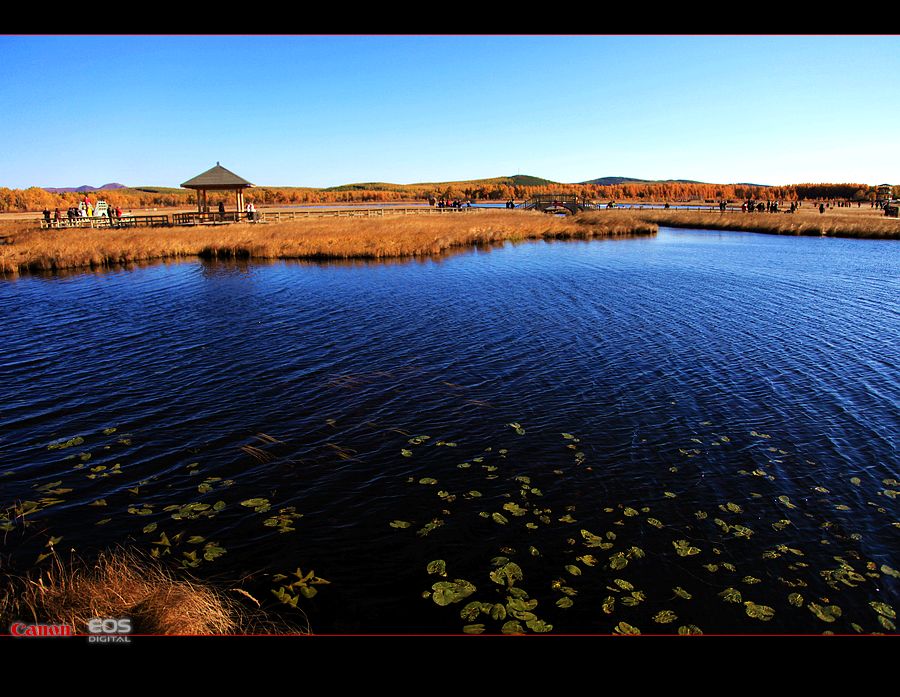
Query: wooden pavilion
(217, 179)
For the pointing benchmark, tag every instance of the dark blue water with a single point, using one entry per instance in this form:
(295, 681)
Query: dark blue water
(719, 409)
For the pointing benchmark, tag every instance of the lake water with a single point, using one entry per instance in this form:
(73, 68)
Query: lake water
(694, 430)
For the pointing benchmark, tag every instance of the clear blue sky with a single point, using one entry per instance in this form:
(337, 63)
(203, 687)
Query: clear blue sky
(327, 110)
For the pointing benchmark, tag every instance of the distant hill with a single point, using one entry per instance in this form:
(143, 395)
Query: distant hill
(514, 180)
(82, 189)
(611, 181)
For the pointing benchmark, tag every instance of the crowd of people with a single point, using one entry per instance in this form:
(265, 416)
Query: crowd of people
(445, 203)
(85, 209)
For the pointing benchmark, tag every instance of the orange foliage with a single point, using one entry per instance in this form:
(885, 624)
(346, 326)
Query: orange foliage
(36, 199)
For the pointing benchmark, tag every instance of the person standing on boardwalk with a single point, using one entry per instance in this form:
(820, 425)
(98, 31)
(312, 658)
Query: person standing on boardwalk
(56, 216)
(221, 210)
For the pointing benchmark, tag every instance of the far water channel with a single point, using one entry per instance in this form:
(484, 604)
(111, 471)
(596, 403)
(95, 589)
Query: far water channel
(695, 431)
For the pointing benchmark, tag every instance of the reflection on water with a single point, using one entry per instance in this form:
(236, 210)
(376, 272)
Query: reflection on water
(733, 394)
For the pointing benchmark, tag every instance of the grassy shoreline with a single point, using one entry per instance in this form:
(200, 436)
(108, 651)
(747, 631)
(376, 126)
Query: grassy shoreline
(807, 223)
(30, 250)
(24, 249)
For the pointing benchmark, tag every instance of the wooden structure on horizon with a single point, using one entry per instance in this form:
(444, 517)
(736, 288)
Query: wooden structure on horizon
(217, 179)
(557, 203)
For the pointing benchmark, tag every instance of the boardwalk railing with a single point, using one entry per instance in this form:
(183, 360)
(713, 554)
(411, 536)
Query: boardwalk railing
(126, 221)
(194, 218)
(278, 216)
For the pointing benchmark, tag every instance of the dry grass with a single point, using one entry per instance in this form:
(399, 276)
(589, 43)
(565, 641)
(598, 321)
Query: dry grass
(834, 223)
(129, 584)
(29, 249)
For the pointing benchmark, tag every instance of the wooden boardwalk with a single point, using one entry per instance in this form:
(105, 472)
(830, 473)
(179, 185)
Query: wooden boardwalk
(231, 217)
(127, 221)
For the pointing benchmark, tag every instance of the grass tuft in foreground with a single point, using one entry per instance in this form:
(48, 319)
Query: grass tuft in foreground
(128, 583)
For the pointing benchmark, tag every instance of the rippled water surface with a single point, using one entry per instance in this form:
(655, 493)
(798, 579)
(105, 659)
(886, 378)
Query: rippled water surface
(611, 426)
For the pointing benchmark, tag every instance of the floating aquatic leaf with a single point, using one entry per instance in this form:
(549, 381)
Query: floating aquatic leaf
(688, 629)
(567, 518)
(212, 551)
(471, 610)
(609, 604)
(731, 595)
(438, 566)
(499, 518)
(259, 505)
(565, 602)
(786, 501)
(428, 481)
(429, 527)
(664, 617)
(759, 612)
(518, 428)
(572, 569)
(682, 593)
(532, 526)
(883, 609)
(856, 481)
(218, 506)
(751, 579)
(514, 508)
(826, 613)
(780, 524)
(684, 548)
(98, 502)
(795, 599)
(587, 559)
(538, 626)
(654, 522)
(886, 623)
(626, 629)
(497, 611)
(103, 522)
(507, 574)
(512, 627)
(149, 528)
(701, 515)
(474, 493)
(729, 566)
(406, 453)
(473, 629)
(618, 561)
(669, 494)
(77, 440)
(446, 592)
(623, 584)
(630, 512)
(533, 551)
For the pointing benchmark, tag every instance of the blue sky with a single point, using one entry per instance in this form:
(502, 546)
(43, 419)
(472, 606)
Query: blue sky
(328, 110)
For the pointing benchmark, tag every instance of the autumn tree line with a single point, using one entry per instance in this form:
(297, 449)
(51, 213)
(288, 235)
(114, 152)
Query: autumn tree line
(37, 199)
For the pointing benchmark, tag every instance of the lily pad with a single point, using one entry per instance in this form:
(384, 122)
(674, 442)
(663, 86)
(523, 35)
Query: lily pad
(446, 592)
(760, 612)
(826, 613)
(438, 566)
(664, 617)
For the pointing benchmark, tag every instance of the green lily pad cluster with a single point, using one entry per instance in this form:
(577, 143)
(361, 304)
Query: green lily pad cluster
(728, 554)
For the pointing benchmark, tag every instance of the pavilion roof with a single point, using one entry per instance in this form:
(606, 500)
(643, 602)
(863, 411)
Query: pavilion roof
(216, 177)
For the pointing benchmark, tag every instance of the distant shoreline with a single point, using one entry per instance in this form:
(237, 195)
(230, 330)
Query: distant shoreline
(25, 248)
